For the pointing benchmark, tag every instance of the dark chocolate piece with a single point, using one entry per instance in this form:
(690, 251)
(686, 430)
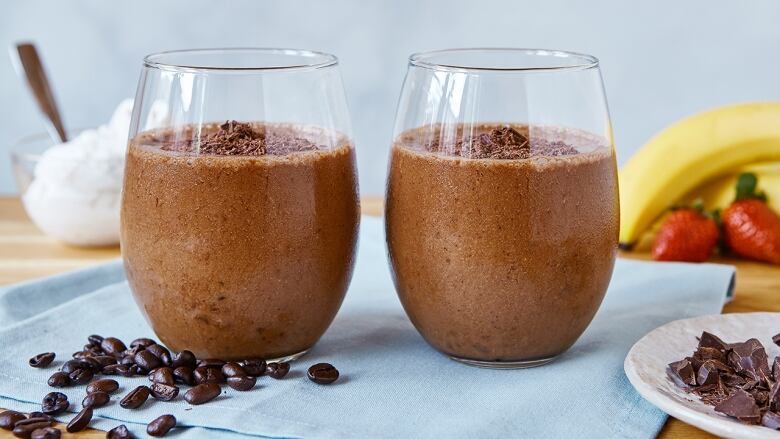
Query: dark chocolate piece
(771, 420)
(708, 340)
(682, 373)
(708, 374)
(742, 406)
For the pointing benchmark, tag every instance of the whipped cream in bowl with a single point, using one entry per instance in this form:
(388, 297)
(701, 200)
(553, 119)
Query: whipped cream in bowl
(72, 190)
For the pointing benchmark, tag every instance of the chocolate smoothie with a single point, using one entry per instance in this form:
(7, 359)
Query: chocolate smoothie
(502, 243)
(239, 239)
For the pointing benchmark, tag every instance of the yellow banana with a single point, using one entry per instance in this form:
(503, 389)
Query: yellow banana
(718, 193)
(690, 153)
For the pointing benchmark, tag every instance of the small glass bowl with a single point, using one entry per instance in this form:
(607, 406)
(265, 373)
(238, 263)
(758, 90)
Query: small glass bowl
(71, 215)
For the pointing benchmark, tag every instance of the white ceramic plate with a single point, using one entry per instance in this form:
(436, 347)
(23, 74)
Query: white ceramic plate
(646, 364)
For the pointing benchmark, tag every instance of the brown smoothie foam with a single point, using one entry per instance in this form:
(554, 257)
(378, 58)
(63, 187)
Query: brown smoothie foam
(246, 248)
(501, 244)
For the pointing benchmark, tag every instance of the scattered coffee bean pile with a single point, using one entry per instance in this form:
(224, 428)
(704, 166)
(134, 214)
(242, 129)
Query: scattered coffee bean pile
(735, 378)
(145, 357)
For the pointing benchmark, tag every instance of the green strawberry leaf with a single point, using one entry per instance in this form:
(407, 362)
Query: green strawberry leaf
(746, 187)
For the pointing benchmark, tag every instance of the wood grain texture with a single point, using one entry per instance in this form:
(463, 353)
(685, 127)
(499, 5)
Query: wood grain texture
(25, 253)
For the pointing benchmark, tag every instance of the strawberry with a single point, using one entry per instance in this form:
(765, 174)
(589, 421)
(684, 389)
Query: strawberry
(751, 229)
(685, 235)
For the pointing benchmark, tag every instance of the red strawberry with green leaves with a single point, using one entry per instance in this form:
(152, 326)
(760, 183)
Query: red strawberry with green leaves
(687, 234)
(751, 229)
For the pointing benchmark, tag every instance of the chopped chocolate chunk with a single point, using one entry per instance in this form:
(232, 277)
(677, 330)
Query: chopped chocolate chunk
(708, 340)
(774, 397)
(750, 359)
(708, 374)
(735, 378)
(771, 420)
(776, 369)
(742, 406)
(776, 339)
(682, 373)
(708, 353)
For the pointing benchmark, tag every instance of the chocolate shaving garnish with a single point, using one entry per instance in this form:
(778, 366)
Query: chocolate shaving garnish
(735, 378)
(237, 138)
(502, 143)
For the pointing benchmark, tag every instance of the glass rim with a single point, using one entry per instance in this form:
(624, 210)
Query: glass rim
(157, 60)
(426, 60)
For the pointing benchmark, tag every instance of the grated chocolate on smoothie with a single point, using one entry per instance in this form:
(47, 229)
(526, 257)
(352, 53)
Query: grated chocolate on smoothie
(502, 143)
(238, 138)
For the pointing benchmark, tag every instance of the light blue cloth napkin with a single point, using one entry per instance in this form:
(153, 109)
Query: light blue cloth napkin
(393, 385)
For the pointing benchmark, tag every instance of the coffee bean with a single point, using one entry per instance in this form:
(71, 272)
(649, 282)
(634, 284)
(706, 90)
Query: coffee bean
(184, 359)
(323, 373)
(147, 360)
(241, 383)
(120, 432)
(277, 370)
(135, 398)
(46, 433)
(128, 360)
(54, 403)
(162, 375)
(137, 370)
(208, 375)
(232, 370)
(253, 367)
(82, 354)
(104, 360)
(59, 379)
(80, 376)
(142, 342)
(25, 428)
(104, 385)
(161, 426)
(112, 346)
(80, 421)
(95, 340)
(132, 351)
(42, 360)
(115, 369)
(9, 418)
(202, 393)
(40, 415)
(164, 392)
(183, 375)
(96, 365)
(76, 364)
(160, 352)
(211, 362)
(96, 399)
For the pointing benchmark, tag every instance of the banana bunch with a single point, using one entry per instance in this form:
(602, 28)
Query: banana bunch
(700, 157)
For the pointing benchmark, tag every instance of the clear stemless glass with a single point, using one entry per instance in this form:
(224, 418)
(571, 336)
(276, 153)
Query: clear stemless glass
(240, 202)
(502, 202)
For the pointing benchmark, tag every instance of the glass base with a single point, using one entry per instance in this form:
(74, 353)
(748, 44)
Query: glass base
(522, 364)
(288, 358)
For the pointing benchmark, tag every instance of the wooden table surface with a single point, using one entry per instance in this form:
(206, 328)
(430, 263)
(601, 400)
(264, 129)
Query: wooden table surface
(25, 253)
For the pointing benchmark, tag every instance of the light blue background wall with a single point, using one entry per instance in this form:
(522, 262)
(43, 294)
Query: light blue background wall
(662, 59)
